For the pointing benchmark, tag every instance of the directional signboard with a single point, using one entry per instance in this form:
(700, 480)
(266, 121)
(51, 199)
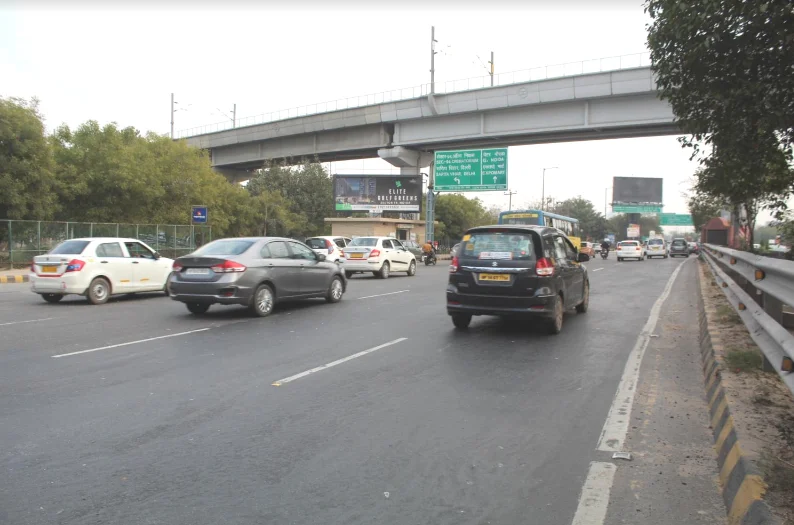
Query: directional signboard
(675, 219)
(630, 208)
(471, 170)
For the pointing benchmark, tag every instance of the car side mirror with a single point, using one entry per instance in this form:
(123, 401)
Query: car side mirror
(583, 257)
(320, 257)
(157, 255)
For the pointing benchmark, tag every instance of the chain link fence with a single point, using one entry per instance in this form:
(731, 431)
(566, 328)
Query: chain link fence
(20, 241)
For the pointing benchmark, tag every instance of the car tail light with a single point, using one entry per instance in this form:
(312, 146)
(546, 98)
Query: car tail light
(374, 253)
(544, 267)
(176, 267)
(75, 265)
(330, 246)
(637, 248)
(453, 266)
(228, 267)
(341, 252)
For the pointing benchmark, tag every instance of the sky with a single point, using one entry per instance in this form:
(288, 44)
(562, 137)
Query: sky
(121, 64)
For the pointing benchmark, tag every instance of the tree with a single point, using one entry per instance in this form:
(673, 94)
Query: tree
(703, 207)
(26, 178)
(457, 214)
(591, 223)
(725, 67)
(619, 223)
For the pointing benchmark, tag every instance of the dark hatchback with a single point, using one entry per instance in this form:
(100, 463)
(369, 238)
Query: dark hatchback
(517, 272)
(256, 272)
(679, 248)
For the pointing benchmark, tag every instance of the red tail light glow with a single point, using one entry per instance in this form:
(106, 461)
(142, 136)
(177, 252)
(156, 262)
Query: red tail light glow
(453, 266)
(75, 265)
(374, 253)
(228, 267)
(176, 267)
(544, 267)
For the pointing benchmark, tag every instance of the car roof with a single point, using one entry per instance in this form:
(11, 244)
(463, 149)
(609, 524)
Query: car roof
(105, 239)
(326, 237)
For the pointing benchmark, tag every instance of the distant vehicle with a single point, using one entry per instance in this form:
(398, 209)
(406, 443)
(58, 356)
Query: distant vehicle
(331, 247)
(413, 247)
(379, 255)
(679, 248)
(693, 247)
(630, 250)
(596, 248)
(97, 268)
(588, 248)
(256, 272)
(657, 248)
(518, 272)
(567, 225)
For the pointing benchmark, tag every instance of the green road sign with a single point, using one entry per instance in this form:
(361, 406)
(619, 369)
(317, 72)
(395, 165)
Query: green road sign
(627, 208)
(675, 219)
(471, 170)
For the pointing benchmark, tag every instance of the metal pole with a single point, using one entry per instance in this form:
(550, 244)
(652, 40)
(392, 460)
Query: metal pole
(605, 202)
(543, 192)
(430, 209)
(491, 62)
(510, 201)
(172, 116)
(234, 116)
(432, 59)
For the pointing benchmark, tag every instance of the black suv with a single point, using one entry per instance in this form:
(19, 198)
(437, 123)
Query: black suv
(516, 271)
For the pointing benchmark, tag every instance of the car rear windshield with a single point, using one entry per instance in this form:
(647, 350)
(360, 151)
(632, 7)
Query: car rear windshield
(656, 242)
(224, 247)
(70, 248)
(316, 244)
(499, 245)
(364, 241)
(629, 243)
(679, 243)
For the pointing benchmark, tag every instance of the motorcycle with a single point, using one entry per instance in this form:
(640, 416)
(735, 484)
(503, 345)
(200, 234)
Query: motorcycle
(428, 260)
(604, 254)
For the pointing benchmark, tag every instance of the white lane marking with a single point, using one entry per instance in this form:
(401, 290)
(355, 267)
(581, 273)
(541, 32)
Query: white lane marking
(616, 426)
(598, 269)
(28, 321)
(132, 342)
(594, 500)
(382, 294)
(337, 362)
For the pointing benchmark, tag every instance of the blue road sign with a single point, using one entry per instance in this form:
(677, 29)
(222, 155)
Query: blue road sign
(199, 214)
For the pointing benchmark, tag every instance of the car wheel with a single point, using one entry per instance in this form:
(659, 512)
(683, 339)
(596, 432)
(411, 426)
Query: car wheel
(197, 308)
(348, 274)
(620, 259)
(263, 301)
(335, 291)
(412, 268)
(461, 321)
(99, 291)
(582, 307)
(52, 297)
(555, 323)
(384, 271)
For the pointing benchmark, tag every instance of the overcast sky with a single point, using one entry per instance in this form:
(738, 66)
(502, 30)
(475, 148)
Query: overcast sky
(121, 64)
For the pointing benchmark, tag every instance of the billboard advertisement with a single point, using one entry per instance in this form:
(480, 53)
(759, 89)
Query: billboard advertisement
(378, 193)
(644, 190)
(633, 231)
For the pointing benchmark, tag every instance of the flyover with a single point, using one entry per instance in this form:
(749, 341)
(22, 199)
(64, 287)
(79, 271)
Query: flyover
(604, 105)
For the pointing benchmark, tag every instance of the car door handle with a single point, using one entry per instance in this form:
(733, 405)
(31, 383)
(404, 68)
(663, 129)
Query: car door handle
(134, 262)
(103, 262)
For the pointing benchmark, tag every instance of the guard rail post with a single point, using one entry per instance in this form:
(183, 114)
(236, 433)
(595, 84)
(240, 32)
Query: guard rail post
(774, 308)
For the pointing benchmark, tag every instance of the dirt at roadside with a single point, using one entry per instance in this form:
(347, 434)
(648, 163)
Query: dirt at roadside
(761, 405)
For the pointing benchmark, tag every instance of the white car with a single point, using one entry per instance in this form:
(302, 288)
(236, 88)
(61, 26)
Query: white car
(99, 267)
(630, 250)
(379, 255)
(331, 247)
(657, 247)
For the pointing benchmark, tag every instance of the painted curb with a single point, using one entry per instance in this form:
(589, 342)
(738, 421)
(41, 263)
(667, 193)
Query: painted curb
(14, 279)
(741, 484)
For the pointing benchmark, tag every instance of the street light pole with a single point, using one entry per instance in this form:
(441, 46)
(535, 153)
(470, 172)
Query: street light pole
(172, 116)
(491, 62)
(605, 202)
(432, 59)
(543, 190)
(510, 202)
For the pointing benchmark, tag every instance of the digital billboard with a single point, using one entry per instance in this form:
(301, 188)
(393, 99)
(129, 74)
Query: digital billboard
(638, 190)
(378, 193)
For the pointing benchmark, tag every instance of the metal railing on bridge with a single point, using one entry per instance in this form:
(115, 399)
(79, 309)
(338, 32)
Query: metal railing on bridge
(20, 241)
(759, 289)
(598, 65)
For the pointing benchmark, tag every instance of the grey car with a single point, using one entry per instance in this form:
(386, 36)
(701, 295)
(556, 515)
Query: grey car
(256, 272)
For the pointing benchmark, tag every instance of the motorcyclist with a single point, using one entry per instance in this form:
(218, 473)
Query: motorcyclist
(428, 250)
(605, 246)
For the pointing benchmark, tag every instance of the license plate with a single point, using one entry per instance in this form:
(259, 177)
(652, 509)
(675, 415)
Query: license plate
(49, 269)
(356, 255)
(197, 271)
(495, 277)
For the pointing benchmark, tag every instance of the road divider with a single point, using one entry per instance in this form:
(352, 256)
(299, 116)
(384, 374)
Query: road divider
(289, 379)
(131, 343)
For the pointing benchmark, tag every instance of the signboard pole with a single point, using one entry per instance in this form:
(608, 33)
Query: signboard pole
(430, 209)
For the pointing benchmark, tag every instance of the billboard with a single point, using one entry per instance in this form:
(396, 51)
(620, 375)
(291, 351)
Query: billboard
(633, 231)
(643, 190)
(378, 193)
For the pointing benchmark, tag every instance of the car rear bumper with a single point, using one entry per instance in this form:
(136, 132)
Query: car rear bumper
(362, 265)
(210, 293)
(64, 284)
(539, 305)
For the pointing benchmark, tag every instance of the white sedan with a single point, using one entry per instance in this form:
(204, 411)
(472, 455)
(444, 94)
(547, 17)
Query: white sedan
(99, 267)
(630, 250)
(379, 255)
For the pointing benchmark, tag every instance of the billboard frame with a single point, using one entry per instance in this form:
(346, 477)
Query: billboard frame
(381, 206)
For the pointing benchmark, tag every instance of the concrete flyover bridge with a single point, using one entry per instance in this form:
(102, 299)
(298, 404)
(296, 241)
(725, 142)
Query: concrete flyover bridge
(618, 103)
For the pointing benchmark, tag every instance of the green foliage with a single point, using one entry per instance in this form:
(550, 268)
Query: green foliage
(26, 178)
(703, 207)
(457, 214)
(619, 223)
(725, 67)
(591, 223)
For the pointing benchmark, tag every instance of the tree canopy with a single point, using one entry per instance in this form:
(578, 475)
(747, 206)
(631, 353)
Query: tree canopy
(591, 223)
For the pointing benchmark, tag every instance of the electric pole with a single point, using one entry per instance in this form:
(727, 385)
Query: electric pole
(432, 59)
(234, 116)
(510, 201)
(491, 73)
(172, 116)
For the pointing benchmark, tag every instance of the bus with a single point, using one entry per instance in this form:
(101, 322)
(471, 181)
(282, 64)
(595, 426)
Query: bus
(568, 225)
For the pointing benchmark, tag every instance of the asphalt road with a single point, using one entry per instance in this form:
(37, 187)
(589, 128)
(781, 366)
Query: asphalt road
(175, 419)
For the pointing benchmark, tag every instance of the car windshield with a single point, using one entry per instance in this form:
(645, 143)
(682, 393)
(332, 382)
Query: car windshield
(70, 248)
(679, 243)
(316, 244)
(224, 247)
(656, 242)
(364, 241)
(498, 245)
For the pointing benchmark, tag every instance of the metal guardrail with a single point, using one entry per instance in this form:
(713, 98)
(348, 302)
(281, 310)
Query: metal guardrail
(758, 289)
(598, 65)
